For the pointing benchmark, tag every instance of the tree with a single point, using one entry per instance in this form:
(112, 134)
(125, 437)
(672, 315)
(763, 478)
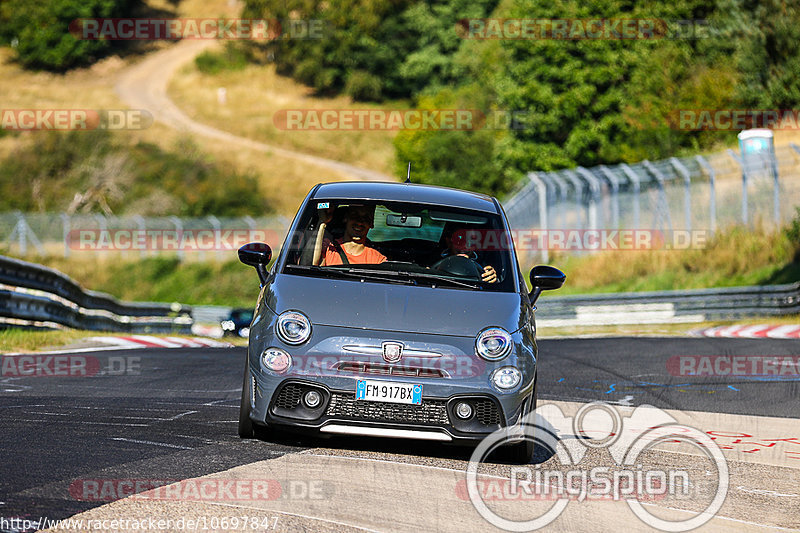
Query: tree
(40, 30)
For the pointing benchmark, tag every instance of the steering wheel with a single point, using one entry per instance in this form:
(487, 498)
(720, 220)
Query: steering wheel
(459, 266)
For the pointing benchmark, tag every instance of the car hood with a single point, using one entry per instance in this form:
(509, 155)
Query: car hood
(392, 307)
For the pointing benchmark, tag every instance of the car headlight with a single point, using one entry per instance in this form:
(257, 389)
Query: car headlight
(293, 327)
(506, 378)
(276, 360)
(493, 344)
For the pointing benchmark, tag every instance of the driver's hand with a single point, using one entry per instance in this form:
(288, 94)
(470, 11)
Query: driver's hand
(489, 274)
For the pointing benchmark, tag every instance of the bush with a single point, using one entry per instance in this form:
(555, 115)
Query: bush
(230, 58)
(141, 179)
(371, 50)
(41, 30)
(363, 86)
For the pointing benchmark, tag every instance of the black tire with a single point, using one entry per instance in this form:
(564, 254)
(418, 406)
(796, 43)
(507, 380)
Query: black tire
(522, 453)
(246, 426)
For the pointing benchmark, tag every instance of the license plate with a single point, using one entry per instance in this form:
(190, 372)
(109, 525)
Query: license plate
(386, 391)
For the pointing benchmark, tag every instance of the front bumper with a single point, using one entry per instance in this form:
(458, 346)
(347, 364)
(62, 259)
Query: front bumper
(341, 414)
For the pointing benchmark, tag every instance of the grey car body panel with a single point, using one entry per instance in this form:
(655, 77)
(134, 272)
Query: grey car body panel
(345, 313)
(394, 307)
(406, 192)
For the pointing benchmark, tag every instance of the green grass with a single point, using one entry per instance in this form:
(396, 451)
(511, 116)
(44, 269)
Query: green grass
(231, 57)
(735, 257)
(26, 340)
(115, 174)
(166, 279)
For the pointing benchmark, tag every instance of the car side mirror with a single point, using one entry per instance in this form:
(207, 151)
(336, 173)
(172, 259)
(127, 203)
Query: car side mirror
(544, 278)
(258, 255)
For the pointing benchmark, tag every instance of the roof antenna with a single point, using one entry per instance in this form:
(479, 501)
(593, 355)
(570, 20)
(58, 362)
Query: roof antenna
(408, 175)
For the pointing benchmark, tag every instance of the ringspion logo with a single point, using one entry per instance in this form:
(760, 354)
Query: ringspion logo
(625, 478)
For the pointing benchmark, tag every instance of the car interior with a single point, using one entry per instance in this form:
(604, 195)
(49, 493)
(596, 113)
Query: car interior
(410, 235)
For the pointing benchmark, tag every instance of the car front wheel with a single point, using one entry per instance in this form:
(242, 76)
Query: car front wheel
(246, 429)
(522, 452)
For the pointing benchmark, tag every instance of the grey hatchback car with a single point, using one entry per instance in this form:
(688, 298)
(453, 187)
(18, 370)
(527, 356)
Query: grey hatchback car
(393, 310)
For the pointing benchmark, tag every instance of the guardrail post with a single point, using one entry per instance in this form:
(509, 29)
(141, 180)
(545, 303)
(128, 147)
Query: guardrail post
(634, 177)
(776, 200)
(542, 194)
(662, 195)
(217, 237)
(744, 184)
(613, 180)
(551, 189)
(23, 232)
(579, 189)
(65, 229)
(143, 228)
(687, 194)
(179, 230)
(712, 176)
(594, 188)
(562, 197)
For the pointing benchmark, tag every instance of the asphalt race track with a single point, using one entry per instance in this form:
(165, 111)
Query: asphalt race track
(171, 415)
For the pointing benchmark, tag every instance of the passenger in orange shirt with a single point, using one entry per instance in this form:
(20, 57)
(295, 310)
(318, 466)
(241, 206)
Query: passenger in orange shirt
(354, 243)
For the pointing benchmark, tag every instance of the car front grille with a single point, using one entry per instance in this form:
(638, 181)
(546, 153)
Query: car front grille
(357, 367)
(289, 396)
(346, 406)
(486, 412)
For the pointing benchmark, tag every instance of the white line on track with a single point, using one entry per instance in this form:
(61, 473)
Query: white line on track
(151, 443)
(728, 518)
(83, 423)
(78, 350)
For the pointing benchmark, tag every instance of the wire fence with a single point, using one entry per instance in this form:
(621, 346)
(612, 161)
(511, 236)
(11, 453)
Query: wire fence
(698, 194)
(695, 194)
(88, 236)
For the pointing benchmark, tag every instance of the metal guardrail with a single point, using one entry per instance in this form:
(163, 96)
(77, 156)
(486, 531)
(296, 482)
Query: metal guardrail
(35, 295)
(662, 307)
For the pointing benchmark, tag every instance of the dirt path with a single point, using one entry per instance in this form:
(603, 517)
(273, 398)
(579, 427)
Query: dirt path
(144, 86)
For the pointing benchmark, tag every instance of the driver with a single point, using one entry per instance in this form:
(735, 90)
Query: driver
(456, 245)
(353, 247)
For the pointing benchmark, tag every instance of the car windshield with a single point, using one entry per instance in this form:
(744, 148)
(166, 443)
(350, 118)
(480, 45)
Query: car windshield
(396, 242)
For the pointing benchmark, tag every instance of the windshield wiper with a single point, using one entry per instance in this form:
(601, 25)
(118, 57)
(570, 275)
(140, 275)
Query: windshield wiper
(445, 279)
(360, 273)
